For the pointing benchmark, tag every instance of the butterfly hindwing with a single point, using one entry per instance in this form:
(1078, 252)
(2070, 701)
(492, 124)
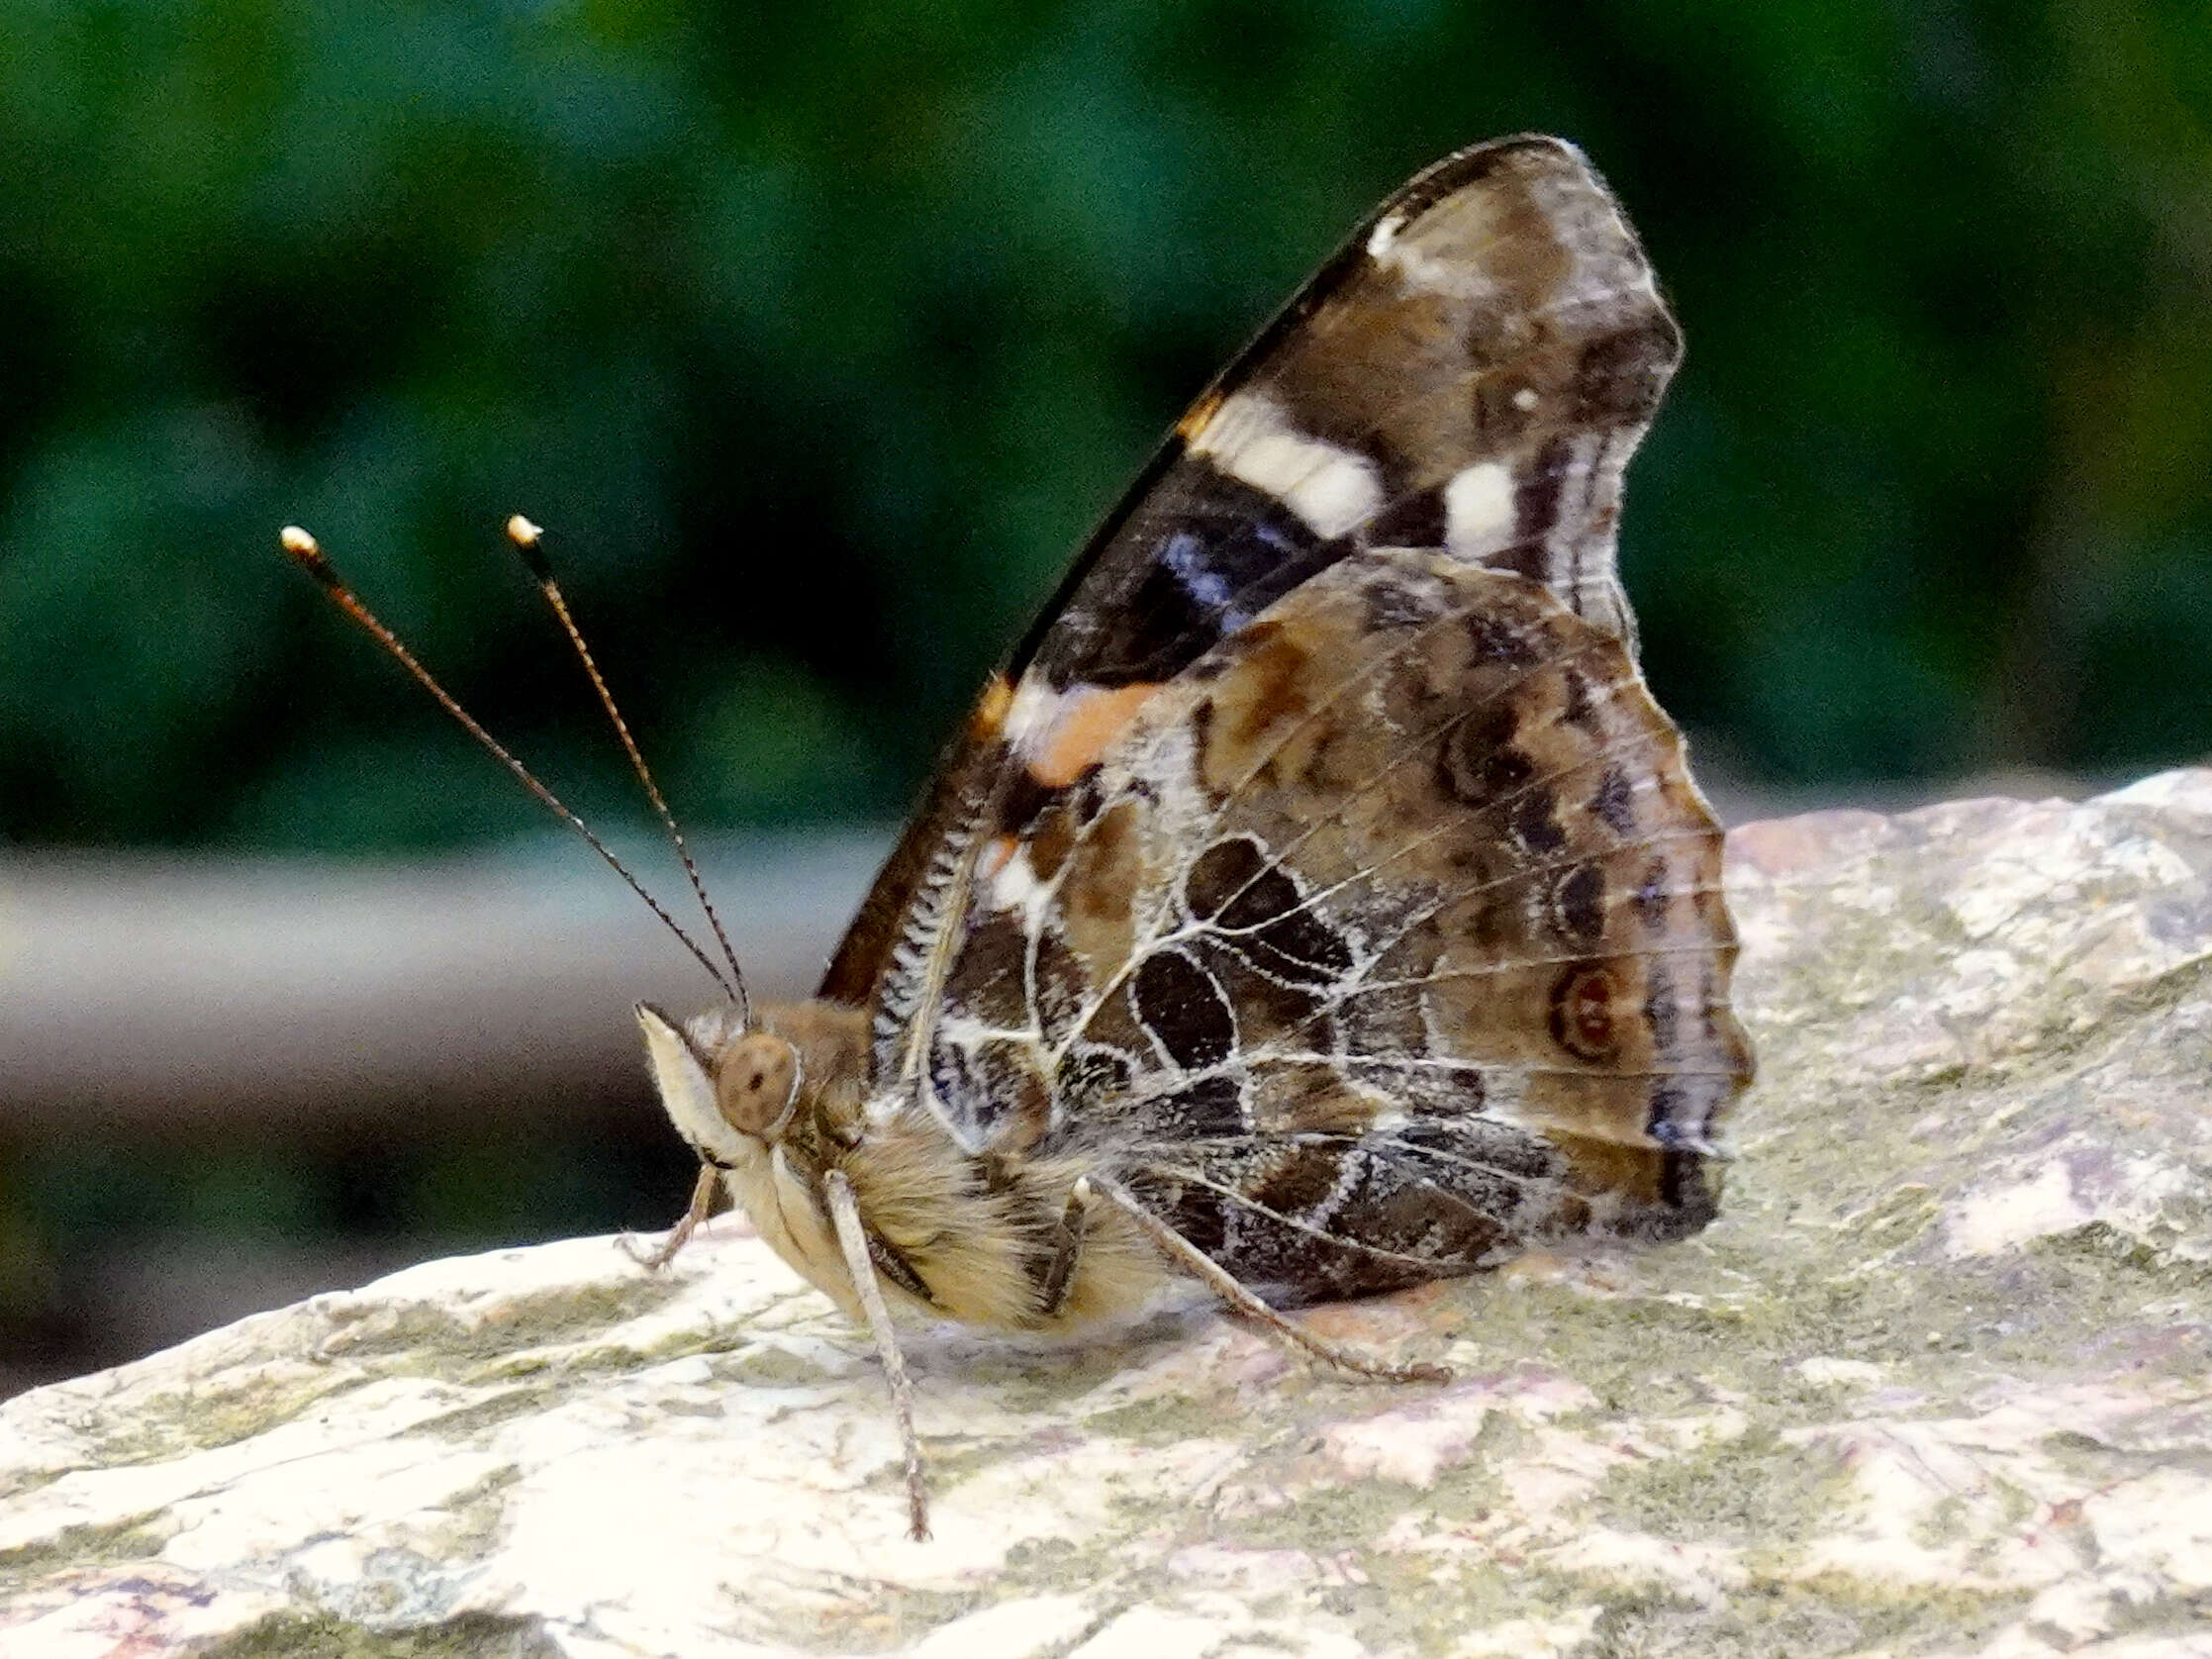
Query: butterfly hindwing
(1385, 940)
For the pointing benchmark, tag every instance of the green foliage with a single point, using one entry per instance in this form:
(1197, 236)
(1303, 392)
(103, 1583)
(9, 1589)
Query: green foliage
(820, 334)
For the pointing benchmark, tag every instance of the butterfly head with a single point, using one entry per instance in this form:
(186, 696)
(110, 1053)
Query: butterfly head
(731, 1090)
(734, 1086)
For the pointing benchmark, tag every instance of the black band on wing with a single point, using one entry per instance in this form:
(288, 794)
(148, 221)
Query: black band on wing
(1203, 554)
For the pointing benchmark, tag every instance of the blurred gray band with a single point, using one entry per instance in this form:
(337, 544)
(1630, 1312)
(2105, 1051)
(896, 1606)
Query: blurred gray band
(142, 992)
(179, 995)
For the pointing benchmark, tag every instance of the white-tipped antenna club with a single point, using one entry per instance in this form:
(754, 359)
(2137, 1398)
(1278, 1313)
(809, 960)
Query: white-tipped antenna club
(527, 539)
(305, 551)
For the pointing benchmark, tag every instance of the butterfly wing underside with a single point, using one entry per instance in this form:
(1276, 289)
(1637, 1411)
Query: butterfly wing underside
(1472, 370)
(1321, 861)
(1388, 940)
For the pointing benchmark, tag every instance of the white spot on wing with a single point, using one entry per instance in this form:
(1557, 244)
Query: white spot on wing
(1252, 439)
(1441, 248)
(1017, 888)
(1477, 509)
(1031, 714)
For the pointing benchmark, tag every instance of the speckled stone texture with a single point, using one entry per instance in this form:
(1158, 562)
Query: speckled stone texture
(1939, 1382)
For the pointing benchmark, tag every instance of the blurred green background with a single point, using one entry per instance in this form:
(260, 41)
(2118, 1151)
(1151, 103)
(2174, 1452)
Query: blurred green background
(818, 336)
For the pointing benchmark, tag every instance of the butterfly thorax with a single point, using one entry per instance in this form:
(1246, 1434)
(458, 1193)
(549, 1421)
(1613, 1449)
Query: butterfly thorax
(952, 1233)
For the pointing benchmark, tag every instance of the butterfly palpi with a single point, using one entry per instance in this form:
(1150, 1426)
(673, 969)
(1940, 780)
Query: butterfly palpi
(1317, 903)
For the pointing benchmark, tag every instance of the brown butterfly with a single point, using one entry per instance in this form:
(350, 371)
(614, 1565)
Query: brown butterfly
(1317, 903)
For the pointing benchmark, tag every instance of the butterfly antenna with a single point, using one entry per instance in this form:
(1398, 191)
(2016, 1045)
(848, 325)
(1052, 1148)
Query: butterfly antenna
(307, 555)
(528, 540)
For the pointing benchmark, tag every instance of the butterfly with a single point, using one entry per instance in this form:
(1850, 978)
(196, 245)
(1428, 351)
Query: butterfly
(1316, 903)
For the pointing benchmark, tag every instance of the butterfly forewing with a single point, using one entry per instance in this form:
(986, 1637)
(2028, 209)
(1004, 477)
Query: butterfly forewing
(1385, 942)
(1471, 371)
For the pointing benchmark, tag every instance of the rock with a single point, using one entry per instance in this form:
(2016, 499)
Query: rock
(1938, 1382)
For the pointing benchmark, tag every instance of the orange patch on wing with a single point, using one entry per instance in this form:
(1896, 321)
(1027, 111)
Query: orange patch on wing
(991, 709)
(1195, 417)
(1082, 729)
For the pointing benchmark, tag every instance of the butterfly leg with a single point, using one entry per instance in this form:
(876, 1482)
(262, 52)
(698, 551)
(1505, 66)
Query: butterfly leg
(695, 1213)
(1225, 1285)
(1067, 1249)
(852, 1238)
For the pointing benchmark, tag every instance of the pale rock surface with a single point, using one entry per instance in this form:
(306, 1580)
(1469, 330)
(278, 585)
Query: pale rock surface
(1938, 1383)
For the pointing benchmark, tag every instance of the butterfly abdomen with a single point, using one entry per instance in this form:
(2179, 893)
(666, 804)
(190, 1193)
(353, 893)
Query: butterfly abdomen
(982, 1231)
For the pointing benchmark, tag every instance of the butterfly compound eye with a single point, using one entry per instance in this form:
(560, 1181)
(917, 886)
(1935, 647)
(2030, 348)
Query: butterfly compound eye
(757, 1084)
